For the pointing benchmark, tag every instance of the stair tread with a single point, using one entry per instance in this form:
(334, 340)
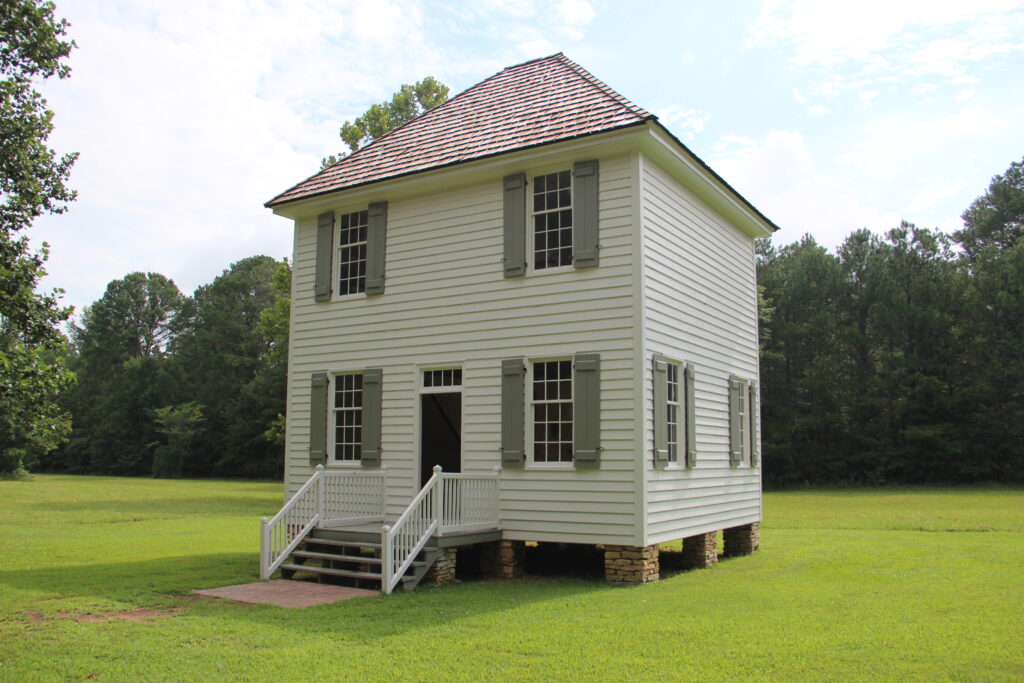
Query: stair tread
(357, 559)
(336, 557)
(348, 544)
(333, 572)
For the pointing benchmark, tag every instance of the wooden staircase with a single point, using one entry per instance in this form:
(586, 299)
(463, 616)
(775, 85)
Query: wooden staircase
(350, 558)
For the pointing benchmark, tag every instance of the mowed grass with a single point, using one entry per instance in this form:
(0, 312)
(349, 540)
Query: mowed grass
(896, 584)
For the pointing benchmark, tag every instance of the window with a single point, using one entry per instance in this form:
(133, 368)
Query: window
(552, 220)
(552, 405)
(436, 379)
(352, 229)
(743, 415)
(672, 421)
(348, 417)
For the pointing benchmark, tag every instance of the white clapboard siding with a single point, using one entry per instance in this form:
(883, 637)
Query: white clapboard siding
(446, 301)
(699, 298)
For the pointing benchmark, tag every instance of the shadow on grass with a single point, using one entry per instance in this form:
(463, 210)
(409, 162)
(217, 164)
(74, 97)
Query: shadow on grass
(197, 506)
(129, 580)
(363, 620)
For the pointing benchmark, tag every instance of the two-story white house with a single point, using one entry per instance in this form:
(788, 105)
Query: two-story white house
(538, 288)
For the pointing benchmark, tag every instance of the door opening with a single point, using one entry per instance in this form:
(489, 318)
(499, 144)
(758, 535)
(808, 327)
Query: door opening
(440, 433)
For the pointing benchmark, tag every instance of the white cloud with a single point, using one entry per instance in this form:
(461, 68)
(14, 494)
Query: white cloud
(849, 47)
(827, 33)
(575, 15)
(688, 121)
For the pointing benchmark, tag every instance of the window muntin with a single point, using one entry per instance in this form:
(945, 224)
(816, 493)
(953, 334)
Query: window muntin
(672, 421)
(352, 228)
(551, 408)
(743, 420)
(348, 417)
(439, 379)
(552, 220)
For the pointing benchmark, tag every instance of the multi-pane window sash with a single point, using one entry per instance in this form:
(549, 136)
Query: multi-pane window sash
(672, 421)
(352, 253)
(449, 377)
(552, 220)
(552, 411)
(742, 417)
(348, 417)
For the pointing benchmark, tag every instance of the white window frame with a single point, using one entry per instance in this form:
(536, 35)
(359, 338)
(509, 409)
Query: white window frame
(531, 462)
(530, 214)
(332, 425)
(743, 421)
(753, 418)
(679, 423)
(336, 270)
(441, 388)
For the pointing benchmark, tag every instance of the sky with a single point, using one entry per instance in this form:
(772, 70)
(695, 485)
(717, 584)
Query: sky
(829, 117)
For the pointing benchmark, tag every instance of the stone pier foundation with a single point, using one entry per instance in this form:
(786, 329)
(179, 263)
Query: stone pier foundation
(630, 564)
(503, 559)
(742, 540)
(700, 551)
(443, 570)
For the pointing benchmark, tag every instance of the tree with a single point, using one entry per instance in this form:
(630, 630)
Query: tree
(124, 375)
(409, 102)
(995, 219)
(274, 325)
(32, 183)
(224, 356)
(178, 424)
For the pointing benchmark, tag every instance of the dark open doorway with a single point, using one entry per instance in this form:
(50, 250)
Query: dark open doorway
(440, 433)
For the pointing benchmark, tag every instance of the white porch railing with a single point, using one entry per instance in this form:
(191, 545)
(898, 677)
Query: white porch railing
(447, 503)
(325, 498)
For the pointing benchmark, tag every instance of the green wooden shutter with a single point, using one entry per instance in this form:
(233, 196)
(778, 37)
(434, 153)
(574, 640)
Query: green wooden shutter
(691, 416)
(513, 445)
(373, 379)
(318, 419)
(324, 250)
(735, 435)
(515, 225)
(376, 240)
(754, 406)
(585, 216)
(660, 410)
(586, 410)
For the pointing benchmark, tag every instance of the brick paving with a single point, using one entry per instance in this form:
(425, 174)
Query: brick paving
(285, 593)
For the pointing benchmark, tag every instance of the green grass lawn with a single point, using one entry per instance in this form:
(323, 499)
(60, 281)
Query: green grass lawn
(923, 584)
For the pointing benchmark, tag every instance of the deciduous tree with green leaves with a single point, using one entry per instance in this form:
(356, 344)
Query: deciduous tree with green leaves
(409, 102)
(32, 183)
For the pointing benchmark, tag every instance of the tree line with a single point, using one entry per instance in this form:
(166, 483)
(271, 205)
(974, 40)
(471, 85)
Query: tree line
(177, 386)
(899, 358)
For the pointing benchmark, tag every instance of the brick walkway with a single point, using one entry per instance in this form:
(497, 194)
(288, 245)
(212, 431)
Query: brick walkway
(285, 593)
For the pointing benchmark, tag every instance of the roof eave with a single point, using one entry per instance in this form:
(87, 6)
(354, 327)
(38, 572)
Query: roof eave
(287, 207)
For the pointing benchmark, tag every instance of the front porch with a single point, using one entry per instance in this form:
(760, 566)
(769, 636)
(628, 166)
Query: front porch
(340, 519)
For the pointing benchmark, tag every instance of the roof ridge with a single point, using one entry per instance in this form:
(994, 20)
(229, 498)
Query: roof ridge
(449, 100)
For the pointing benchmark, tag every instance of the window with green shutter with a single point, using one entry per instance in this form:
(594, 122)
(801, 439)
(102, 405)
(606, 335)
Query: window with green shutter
(739, 422)
(552, 221)
(674, 439)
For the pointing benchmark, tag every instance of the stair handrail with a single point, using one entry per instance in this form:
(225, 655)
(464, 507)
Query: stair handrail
(296, 527)
(424, 509)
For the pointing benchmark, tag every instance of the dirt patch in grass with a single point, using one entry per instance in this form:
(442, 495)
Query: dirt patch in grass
(138, 614)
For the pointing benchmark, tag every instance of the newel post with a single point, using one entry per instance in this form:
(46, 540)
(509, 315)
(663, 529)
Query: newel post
(386, 552)
(438, 498)
(319, 492)
(264, 548)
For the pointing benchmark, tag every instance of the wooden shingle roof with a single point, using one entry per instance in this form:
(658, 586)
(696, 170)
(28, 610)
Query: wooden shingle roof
(535, 103)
